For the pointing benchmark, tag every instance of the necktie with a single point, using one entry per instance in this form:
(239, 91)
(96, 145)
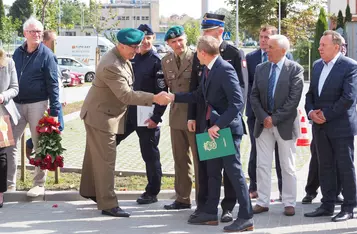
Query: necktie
(271, 84)
(265, 57)
(208, 111)
(178, 62)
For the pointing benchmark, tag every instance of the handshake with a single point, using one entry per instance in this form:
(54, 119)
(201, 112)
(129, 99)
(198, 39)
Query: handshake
(163, 98)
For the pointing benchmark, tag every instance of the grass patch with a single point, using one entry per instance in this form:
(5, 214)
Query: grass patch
(71, 181)
(72, 107)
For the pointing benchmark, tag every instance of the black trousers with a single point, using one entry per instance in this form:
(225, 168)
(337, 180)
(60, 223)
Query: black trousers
(149, 141)
(233, 167)
(252, 165)
(3, 170)
(336, 156)
(313, 182)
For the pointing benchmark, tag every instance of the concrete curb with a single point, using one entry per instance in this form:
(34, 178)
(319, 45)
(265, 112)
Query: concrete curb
(117, 173)
(20, 196)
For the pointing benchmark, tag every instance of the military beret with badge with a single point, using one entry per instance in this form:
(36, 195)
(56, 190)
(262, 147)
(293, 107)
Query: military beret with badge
(130, 36)
(173, 32)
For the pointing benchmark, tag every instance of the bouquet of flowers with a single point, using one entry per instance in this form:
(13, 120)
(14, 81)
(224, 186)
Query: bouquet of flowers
(48, 155)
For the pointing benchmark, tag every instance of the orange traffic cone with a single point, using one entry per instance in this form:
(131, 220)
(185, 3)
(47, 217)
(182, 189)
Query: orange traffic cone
(303, 140)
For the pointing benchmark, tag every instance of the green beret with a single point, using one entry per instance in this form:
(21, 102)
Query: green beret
(130, 36)
(173, 32)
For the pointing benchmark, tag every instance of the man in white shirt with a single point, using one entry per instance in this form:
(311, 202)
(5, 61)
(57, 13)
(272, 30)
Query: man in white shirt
(331, 105)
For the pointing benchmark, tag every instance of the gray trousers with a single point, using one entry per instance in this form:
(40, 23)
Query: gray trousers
(30, 114)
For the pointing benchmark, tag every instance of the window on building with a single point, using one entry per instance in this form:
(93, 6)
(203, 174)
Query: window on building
(146, 17)
(127, 18)
(102, 18)
(70, 33)
(87, 33)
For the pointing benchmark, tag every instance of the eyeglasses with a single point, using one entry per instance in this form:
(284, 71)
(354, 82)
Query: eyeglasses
(34, 32)
(135, 47)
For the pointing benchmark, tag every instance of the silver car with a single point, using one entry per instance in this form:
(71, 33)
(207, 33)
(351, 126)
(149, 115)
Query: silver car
(77, 66)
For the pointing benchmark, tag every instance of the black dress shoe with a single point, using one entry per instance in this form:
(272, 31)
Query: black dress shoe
(194, 214)
(1, 204)
(342, 216)
(240, 225)
(177, 206)
(204, 219)
(308, 198)
(226, 216)
(93, 198)
(116, 212)
(319, 212)
(339, 200)
(146, 199)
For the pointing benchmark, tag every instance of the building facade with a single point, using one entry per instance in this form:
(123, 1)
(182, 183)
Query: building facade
(334, 6)
(119, 14)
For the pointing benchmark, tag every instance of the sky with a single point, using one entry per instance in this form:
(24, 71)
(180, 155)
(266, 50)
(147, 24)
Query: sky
(189, 7)
(170, 7)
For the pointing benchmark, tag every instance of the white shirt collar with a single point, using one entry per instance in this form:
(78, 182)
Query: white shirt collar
(262, 52)
(333, 61)
(280, 63)
(210, 65)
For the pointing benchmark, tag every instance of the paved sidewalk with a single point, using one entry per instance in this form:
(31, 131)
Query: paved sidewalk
(83, 217)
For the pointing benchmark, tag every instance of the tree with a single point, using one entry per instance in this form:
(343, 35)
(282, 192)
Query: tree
(46, 11)
(192, 30)
(254, 13)
(321, 27)
(72, 12)
(9, 29)
(340, 21)
(21, 10)
(2, 13)
(348, 14)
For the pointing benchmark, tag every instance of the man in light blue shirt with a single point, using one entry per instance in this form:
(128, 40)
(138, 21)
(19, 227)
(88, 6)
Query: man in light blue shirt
(275, 96)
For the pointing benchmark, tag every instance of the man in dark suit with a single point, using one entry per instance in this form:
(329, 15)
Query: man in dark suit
(253, 59)
(224, 102)
(313, 182)
(331, 105)
(213, 25)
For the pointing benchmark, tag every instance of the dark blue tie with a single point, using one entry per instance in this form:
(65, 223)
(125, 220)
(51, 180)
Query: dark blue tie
(265, 57)
(271, 84)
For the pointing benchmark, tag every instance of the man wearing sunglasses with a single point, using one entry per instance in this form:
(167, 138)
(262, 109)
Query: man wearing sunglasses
(104, 112)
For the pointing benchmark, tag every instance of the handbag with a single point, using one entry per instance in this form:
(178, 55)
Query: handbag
(6, 136)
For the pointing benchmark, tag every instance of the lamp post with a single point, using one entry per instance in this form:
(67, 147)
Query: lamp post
(237, 23)
(279, 17)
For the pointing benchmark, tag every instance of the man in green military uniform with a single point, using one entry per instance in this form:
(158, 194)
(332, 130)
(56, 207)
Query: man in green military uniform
(104, 115)
(177, 68)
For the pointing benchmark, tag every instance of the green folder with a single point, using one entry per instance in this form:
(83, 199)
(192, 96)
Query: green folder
(220, 147)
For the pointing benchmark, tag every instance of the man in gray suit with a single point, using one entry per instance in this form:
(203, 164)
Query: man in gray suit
(275, 97)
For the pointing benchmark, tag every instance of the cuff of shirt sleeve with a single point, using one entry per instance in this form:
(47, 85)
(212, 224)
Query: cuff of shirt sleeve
(156, 119)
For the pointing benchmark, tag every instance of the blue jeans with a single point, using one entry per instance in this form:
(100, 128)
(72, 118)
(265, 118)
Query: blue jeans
(29, 143)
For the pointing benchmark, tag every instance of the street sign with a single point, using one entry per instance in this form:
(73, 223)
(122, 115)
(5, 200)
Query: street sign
(226, 36)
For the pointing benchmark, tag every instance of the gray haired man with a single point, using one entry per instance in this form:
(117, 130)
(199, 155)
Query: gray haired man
(275, 97)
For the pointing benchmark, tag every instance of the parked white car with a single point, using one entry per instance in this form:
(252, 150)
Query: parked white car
(74, 65)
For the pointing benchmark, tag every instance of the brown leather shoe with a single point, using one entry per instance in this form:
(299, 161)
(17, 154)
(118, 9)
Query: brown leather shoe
(259, 209)
(289, 211)
(253, 195)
